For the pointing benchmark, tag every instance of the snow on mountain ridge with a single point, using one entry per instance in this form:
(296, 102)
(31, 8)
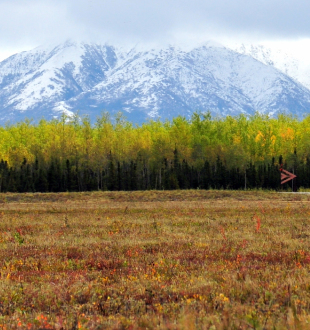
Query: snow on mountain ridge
(286, 62)
(57, 72)
(144, 82)
(199, 78)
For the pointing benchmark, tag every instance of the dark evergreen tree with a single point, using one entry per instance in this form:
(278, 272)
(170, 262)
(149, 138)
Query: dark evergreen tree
(119, 182)
(112, 179)
(13, 180)
(133, 176)
(54, 177)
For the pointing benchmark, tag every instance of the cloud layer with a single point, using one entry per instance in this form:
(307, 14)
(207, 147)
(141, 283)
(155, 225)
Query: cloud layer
(32, 22)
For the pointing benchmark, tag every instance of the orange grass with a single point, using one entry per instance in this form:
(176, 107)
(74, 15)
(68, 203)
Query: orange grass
(155, 260)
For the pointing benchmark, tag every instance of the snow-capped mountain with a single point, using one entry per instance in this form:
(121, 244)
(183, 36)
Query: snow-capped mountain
(37, 82)
(144, 83)
(283, 60)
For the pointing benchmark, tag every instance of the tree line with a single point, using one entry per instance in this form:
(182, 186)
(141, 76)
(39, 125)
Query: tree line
(71, 154)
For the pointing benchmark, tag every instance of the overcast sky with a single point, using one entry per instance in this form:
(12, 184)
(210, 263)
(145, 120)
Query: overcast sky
(25, 24)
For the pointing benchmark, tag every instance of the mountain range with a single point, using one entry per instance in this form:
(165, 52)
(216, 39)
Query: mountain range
(150, 82)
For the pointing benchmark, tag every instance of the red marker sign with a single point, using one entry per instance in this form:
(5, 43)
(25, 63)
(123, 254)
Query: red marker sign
(286, 176)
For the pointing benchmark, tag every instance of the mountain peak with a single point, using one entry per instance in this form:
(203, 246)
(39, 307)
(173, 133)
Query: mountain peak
(146, 81)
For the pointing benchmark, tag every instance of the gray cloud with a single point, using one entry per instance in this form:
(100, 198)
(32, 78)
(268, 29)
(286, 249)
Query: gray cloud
(25, 22)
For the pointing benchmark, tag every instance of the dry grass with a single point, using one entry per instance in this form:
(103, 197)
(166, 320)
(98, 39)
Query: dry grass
(155, 260)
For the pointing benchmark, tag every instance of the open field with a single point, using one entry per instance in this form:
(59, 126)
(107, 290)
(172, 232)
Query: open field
(155, 260)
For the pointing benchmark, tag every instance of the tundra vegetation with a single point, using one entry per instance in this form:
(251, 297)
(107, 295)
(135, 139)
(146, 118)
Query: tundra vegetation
(70, 154)
(191, 259)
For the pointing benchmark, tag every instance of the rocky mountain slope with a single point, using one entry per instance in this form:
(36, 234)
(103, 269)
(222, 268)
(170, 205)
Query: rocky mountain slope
(144, 83)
